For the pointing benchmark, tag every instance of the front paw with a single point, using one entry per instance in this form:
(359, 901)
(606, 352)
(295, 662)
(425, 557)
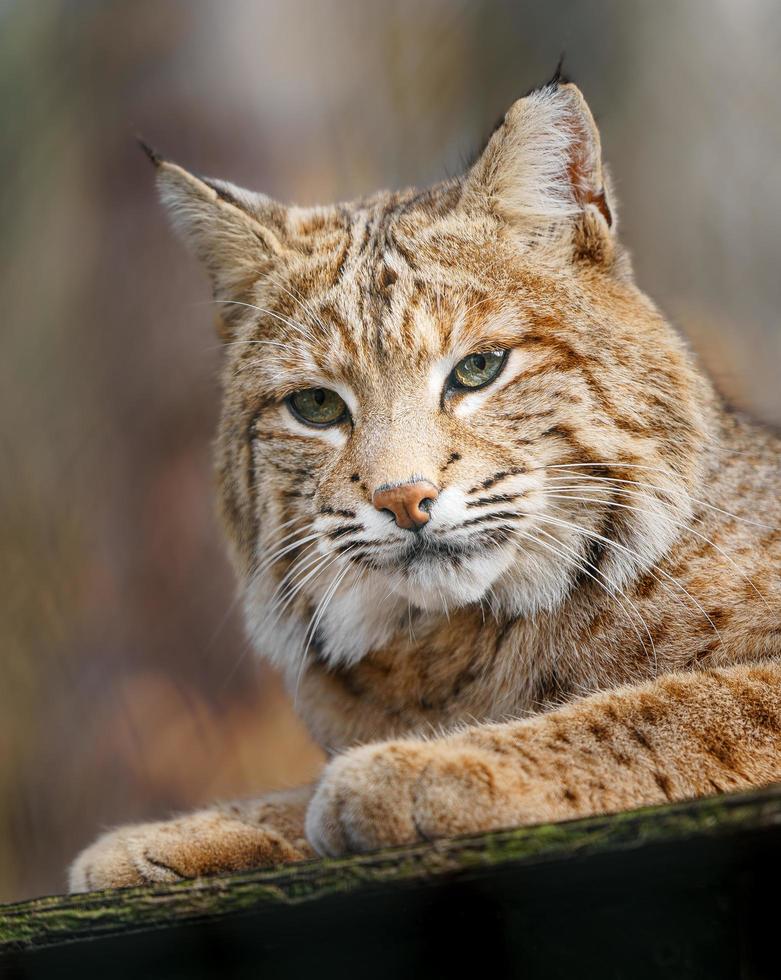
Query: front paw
(203, 843)
(405, 791)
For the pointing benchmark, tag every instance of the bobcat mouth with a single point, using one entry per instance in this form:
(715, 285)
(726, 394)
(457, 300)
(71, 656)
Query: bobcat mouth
(425, 549)
(429, 548)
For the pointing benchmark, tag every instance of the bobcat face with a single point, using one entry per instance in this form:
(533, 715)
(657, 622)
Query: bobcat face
(406, 472)
(418, 388)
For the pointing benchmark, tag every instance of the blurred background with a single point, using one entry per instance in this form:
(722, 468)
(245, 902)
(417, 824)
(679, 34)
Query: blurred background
(126, 689)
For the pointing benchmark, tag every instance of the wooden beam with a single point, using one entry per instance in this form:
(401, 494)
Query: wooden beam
(567, 880)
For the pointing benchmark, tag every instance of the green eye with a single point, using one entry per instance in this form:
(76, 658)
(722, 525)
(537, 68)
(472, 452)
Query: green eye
(317, 406)
(478, 370)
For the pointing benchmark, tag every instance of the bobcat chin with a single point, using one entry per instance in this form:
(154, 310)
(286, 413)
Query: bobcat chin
(469, 473)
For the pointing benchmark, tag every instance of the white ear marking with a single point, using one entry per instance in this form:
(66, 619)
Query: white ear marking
(543, 164)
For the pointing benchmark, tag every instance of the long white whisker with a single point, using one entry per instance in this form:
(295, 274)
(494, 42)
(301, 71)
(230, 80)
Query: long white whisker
(608, 488)
(685, 527)
(247, 645)
(652, 486)
(315, 621)
(397, 579)
(653, 572)
(255, 343)
(581, 563)
(276, 541)
(281, 552)
(307, 304)
(281, 543)
(279, 601)
(293, 324)
(320, 566)
(298, 517)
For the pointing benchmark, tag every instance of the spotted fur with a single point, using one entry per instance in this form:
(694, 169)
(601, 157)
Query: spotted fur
(588, 621)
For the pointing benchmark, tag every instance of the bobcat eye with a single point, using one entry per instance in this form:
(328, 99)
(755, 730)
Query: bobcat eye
(477, 370)
(317, 406)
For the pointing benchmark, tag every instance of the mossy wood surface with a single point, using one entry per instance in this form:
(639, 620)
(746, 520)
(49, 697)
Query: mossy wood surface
(688, 890)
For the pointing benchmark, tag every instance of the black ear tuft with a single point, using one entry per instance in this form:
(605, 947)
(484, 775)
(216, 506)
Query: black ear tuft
(154, 156)
(558, 77)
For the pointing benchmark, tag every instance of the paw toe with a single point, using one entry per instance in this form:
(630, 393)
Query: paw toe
(203, 843)
(402, 792)
(108, 863)
(364, 800)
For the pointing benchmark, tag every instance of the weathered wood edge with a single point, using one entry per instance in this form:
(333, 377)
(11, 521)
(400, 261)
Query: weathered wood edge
(59, 919)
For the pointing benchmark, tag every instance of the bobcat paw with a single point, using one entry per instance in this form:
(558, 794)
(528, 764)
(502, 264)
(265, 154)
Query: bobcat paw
(405, 791)
(187, 847)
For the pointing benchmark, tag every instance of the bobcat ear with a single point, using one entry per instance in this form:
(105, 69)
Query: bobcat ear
(542, 172)
(236, 234)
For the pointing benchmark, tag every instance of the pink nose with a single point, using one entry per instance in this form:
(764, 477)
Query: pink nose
(406, 502)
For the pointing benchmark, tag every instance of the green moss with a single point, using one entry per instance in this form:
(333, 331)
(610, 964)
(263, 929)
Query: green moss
(48, 921)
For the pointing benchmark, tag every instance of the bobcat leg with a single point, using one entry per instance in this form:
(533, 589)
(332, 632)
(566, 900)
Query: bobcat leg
(680, 736)
(229, 837)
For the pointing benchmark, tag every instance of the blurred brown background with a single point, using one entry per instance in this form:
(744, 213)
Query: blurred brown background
(126, 690)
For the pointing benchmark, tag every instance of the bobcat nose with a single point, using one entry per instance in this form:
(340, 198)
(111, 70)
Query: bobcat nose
(409, 502)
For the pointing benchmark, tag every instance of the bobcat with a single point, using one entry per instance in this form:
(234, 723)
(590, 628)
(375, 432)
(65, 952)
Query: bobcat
(516, 559)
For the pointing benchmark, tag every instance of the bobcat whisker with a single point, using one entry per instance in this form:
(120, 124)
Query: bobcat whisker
(608, 488)
(237, 598)
(286, 584)
(293, 520)
(277, 540)
(246, 648)
(252, 343)
(444, 604)
(321, 563)
(293, 542)
(294, 325)
(629, 551)
(299, 298)
(255, 573)
(679, 524)
(410, 628)
(315, 622)
(583, 565)
(275, 556)
(668, 490)
(259, 567)
(321, 606)
(397, 580)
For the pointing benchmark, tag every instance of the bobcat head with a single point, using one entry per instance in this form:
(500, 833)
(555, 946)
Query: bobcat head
(413, 383)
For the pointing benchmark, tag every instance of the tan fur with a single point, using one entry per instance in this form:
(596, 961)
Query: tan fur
(595, 625)
(227, 838)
